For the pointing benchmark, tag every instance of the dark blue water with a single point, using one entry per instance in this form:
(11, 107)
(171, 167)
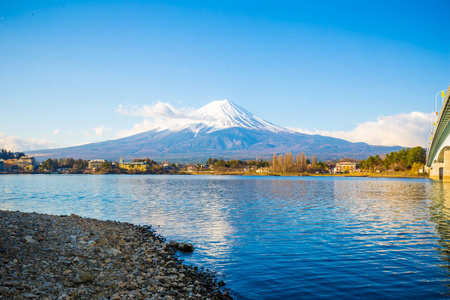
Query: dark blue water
(275, 237)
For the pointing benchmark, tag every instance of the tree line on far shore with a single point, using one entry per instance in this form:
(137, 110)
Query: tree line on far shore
(54, 164)
(287, 164)
(281, 163)
(403, 160)
(236, 164)
(76, 165)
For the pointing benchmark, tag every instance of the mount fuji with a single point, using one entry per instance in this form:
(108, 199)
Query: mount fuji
(220, 129)
(223, 114)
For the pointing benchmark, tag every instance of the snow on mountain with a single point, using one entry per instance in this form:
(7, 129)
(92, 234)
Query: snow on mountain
(222, 114)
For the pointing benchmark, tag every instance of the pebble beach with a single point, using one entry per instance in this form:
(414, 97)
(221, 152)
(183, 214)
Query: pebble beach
(70, 257)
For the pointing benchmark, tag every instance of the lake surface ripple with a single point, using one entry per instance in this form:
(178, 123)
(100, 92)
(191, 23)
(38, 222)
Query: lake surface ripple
(274, 237)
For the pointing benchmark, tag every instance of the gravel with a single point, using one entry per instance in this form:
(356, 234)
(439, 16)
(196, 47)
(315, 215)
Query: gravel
(70, 257)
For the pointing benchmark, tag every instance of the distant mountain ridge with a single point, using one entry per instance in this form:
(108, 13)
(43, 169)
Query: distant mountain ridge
(220, 129)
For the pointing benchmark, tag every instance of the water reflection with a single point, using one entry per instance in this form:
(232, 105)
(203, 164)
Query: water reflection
(440, 215)
(275, 237)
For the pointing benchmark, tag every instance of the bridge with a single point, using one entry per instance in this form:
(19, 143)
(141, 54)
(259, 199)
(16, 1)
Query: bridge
(438, 154)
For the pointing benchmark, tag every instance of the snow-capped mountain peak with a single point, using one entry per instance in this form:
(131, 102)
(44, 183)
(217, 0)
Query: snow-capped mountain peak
(210, 138)
(221, 114)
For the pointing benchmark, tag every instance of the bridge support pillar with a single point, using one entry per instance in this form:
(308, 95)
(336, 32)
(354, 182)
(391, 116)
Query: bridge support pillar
(446, 177)
(441, 171)
(436, 171)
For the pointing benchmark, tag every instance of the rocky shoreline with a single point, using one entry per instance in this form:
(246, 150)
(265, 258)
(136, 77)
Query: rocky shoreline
(70, 257)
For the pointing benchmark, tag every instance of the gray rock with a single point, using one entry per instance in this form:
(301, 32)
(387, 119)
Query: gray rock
(11, 283)
(182, 247)
(173, 244)
(29, 239)
(83, 277)
(113, 251)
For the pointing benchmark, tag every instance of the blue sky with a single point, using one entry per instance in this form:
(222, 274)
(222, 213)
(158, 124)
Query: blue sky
(350, 69)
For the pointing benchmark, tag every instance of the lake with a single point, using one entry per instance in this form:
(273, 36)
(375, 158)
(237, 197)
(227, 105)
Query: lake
(274, 237)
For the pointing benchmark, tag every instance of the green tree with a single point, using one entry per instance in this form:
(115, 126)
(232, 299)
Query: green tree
(221, 163)
(107, 166)
(397, 161)
(50, 164)
(321, 165)
(211, 161)
(5, 154)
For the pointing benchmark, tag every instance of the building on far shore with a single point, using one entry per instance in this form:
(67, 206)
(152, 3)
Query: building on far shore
(28, 159)
(341, 167)
(262, 170)
(96, 164)
(26, 162)
(191, 169)
(130, 164)
(9, 165)
(1, 165)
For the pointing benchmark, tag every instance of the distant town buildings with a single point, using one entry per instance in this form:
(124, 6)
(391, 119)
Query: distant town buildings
(341, 167)
(24, 163)
(130, 165)
(96, 164)
(27, 164)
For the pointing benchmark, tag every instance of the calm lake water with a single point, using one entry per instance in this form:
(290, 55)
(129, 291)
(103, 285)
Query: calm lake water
(274, 237)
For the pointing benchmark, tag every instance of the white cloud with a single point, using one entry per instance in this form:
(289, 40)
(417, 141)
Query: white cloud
(56, 131)
(145, 125)
(100, 130)
(14, 143)
(157, 110)
(159, 115)
(407, 129)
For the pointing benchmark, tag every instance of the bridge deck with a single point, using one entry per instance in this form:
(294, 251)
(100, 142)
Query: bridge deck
(441, 131)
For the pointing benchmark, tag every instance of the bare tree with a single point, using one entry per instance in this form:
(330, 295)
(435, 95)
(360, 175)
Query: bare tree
(289, 162)
(303, 159)
(280, 163)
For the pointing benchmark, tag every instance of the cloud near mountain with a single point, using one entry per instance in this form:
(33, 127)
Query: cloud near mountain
(157, 110)
(407, 129)
(14, 143)
(159, 115)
